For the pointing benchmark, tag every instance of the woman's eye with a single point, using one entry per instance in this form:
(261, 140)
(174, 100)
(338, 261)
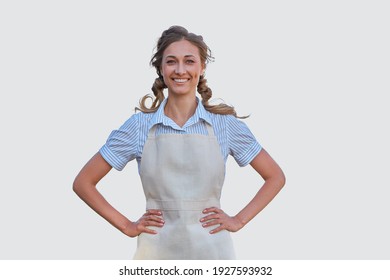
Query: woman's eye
(190, 61)
(170, 61)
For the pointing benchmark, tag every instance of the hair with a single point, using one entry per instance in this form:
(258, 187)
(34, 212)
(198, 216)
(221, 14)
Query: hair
(169, 36)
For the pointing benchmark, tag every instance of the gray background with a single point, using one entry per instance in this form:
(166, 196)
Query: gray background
(313, 75)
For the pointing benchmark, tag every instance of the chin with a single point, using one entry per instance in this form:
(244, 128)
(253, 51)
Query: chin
(180, 91)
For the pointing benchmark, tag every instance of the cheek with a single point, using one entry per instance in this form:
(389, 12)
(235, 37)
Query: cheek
(165, 73)
(196, 74)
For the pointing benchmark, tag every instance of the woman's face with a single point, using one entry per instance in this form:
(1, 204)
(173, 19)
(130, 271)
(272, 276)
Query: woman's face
(181, 68)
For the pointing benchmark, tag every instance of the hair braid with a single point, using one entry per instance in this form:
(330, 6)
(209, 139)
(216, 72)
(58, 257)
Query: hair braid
(204, 91)
(157, 88)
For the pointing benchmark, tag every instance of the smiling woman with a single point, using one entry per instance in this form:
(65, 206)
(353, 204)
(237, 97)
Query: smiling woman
(198, 53)
(181, 146)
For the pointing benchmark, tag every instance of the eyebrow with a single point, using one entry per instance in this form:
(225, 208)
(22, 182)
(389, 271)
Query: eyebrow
(173, 56)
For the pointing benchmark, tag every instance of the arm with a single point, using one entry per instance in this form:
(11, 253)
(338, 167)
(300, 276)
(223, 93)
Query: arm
(85, 187)
(274, 181)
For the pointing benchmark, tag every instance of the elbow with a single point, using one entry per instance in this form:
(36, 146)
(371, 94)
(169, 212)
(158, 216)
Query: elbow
(77, 186)
(281, 179)
(82, 186)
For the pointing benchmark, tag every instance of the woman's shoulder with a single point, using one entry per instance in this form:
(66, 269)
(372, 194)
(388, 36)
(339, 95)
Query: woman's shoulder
(140, 116)
(136, 121)
(224, 119)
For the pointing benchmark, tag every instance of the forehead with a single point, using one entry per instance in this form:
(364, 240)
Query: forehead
(181, 48)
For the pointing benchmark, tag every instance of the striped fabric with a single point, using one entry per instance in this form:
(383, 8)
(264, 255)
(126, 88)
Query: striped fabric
(127, 142)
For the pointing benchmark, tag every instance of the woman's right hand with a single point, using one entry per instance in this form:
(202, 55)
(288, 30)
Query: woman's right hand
(152, 217)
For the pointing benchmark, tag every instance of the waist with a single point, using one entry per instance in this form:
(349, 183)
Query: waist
(181, 205)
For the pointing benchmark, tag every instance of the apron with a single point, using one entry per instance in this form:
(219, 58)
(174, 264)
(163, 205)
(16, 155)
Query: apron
(181, 176)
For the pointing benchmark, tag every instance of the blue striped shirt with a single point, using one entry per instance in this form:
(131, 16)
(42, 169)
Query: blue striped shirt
(127, 142)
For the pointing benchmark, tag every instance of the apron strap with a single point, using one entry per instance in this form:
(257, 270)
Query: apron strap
(209, 128)
(152, 130)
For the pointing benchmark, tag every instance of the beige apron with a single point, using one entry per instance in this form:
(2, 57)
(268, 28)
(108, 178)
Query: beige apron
(182, 175)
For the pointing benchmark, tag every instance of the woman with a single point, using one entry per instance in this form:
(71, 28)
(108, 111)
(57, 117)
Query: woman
(181, 146)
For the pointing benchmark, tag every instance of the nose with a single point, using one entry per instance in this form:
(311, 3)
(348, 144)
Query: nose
(180, 68)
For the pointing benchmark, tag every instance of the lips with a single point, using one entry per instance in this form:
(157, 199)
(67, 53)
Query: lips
(180, 80)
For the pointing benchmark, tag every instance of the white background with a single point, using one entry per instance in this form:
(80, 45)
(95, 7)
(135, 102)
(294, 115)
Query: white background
(314, 76)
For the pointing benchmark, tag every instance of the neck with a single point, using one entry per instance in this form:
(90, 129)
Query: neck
(180, 109)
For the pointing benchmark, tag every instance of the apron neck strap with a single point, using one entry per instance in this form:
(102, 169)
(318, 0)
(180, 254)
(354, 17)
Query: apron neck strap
(209, 128)
(152, 130)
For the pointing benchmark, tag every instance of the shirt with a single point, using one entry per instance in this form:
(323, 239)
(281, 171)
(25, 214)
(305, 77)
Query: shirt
(127, 142)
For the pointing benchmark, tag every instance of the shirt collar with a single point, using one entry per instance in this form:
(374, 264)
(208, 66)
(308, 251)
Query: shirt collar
(160, 117)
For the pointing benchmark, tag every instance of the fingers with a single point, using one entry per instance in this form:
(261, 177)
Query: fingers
(212, 210)
(215, 216)
(153, 212)
(147, 230)
(218, 229)
(152, 217)
(213, 213)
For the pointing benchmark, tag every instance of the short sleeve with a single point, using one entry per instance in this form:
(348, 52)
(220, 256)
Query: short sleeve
(243, 145)
(122, 144)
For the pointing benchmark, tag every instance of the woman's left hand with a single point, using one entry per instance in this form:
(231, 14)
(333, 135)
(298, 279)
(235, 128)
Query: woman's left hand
(215, 216)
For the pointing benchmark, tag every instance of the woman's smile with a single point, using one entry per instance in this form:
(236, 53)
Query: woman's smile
(181, 81)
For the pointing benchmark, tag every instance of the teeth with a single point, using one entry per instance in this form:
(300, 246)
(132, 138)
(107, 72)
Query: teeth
(180, 80)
